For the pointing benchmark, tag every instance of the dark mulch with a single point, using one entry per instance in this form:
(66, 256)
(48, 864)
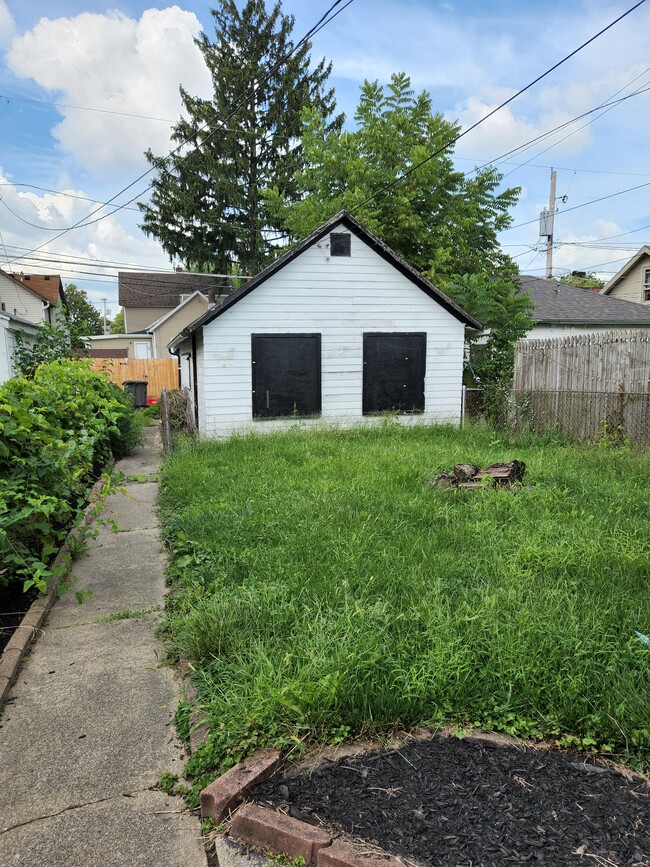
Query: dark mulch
(14, 604)
(474, 803)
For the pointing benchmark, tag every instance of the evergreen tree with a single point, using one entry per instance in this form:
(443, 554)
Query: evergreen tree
(206, 207)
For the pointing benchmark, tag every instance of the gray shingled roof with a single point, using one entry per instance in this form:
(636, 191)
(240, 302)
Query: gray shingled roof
(150, 289)
(557, 303)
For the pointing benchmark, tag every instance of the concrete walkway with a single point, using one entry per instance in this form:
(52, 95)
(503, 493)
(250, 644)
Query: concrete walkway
(87, 731)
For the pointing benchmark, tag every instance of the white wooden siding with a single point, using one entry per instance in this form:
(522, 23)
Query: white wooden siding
(339, 298)
(20, 301)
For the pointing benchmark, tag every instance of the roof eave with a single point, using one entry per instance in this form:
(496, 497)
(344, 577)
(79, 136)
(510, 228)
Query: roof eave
(360, 231)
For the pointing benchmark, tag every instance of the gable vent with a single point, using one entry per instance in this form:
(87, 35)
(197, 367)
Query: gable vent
(340, 244)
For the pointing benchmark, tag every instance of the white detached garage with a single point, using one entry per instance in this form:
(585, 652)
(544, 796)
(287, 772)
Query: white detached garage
(337, 330)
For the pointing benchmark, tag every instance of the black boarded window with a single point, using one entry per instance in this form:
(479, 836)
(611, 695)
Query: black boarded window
(286, 375)
(393, 372)
(340, 244)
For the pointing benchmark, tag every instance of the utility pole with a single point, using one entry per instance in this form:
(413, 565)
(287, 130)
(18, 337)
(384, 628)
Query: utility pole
(103, 300)
(546, 219)
(549, 238)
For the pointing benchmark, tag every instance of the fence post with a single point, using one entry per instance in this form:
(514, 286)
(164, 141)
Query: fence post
(463, 401)
(165, 422)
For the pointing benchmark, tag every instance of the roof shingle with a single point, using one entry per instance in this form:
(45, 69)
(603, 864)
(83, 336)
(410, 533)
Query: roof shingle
(150, 289)
(560, 303)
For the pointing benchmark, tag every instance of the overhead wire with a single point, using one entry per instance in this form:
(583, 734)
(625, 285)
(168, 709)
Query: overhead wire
(325, 19)
(498, 108)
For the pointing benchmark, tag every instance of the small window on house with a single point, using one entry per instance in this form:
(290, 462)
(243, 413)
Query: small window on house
(286, 375)
(340, 244)
(646, 285)
(393, 372)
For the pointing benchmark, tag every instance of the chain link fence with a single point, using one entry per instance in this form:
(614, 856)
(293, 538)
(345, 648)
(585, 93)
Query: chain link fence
(617, 417)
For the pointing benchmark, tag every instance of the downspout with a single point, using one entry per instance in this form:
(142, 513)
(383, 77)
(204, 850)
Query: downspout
(195, 385)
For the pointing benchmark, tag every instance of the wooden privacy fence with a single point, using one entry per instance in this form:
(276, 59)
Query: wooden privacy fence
(588, 386)
(611, 361)
(158, 373)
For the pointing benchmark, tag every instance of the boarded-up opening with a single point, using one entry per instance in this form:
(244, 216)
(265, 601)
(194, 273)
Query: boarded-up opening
(393, 371)
(286, 375)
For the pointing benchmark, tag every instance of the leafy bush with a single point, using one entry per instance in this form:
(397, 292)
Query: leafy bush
(57, 431)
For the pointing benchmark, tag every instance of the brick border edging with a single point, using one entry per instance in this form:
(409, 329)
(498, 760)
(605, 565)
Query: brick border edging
(27, 630)
(269, 830)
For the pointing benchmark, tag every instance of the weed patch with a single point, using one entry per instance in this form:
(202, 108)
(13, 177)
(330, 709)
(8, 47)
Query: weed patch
(323, 590)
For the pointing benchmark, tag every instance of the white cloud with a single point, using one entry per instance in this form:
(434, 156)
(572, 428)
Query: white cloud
(114, 63)
(7, 26)
(30, 220)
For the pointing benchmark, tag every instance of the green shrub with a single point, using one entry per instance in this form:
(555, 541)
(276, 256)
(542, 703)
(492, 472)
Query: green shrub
(57, 431)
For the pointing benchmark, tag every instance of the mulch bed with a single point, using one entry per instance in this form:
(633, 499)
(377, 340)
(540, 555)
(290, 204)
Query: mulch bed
(475, 803)
(14, 604)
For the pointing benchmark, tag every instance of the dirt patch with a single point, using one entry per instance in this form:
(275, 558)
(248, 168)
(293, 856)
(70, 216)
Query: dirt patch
(475, 803)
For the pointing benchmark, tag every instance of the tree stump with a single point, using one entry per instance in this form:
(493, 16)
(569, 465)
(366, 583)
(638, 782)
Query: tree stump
(465, 472)
(504, 473)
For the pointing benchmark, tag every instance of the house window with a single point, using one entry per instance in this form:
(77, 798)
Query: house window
(646, 285)
(340, 244)
(393, 372)
(286, 375)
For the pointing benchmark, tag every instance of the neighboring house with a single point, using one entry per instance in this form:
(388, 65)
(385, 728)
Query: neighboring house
(10, 325)
(563, 309)
(152, 342)
(148, 297)
(632, 283)
(34, 297)
(336, 330)
(120, 345)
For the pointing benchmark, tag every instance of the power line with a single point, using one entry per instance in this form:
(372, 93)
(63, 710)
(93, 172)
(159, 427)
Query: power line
(583, 205)
(325, 19)
(83, 108)
(490, 114)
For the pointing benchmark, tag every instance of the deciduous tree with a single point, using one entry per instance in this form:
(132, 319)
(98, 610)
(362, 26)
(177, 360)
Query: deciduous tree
(442, 221)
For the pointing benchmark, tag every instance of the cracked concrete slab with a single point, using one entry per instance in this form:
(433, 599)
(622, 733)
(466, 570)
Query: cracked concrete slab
(124, 571)
(89, 720)
(132, 507)
(140, 830)
(231, 854)
(92, 713)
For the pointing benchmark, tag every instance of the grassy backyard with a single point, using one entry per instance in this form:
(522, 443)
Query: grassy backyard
(323, 589)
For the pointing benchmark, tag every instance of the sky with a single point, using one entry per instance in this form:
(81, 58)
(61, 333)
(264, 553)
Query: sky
(87, 86)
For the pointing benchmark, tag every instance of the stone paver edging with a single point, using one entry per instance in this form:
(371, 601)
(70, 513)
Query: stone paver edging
(26, 632)
(270, 830)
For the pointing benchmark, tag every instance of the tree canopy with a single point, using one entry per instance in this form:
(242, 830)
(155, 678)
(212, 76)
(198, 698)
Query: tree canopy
(583, 278)
(442, 221)
(83, 318)
(206, 207)
(117, 323)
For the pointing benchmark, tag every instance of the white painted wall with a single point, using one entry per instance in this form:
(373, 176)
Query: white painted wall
(8, 329)
(20, 300)
(339, 298)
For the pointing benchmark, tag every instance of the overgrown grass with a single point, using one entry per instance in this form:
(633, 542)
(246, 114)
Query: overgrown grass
(324, 589)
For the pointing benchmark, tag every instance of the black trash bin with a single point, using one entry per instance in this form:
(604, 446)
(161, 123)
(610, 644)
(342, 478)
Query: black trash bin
(138, 392)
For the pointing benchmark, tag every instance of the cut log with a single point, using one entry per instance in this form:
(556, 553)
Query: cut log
(445, 480)
(504, 473)
(465, 472)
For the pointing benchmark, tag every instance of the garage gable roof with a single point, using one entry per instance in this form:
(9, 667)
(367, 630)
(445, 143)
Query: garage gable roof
(343, 218)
